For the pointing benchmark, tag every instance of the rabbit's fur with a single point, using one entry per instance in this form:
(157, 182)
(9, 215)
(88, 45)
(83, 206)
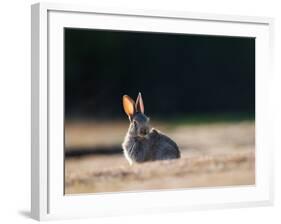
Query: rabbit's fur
(143, 143)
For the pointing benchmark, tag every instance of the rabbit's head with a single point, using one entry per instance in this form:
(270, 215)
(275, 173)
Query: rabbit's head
(139, 123)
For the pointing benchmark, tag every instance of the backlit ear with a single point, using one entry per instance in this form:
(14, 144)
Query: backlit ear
(139, 104)
(129, 106)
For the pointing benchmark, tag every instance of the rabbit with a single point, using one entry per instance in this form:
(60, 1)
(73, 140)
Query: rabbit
(143, 143)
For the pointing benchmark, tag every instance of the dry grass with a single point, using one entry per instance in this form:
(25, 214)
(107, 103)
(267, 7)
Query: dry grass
(212, 155)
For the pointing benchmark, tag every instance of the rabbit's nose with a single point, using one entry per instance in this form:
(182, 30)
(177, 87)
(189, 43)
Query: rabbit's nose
(143, 131)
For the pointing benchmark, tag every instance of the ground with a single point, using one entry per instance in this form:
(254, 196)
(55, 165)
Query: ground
(216, 154)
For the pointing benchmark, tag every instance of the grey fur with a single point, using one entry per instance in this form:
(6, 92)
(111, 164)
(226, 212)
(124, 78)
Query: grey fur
(143, 143)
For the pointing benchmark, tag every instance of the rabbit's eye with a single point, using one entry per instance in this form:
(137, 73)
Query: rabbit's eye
(135, 123)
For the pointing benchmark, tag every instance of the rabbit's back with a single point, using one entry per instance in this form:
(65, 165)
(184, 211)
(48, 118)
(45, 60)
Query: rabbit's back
(162, 146)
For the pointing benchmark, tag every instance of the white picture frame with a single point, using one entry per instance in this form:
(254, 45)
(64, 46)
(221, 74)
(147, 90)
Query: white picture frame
(48, 200)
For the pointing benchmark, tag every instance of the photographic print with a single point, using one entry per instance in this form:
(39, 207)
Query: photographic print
(146, 111)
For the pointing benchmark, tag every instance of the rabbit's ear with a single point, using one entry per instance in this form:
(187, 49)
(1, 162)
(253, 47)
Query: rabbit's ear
(139, 104)
(128, 105)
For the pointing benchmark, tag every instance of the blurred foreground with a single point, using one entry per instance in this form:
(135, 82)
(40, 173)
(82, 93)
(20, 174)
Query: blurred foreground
(216, 154)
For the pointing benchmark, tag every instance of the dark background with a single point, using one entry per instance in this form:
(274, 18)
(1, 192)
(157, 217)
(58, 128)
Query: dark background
(178, 75)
